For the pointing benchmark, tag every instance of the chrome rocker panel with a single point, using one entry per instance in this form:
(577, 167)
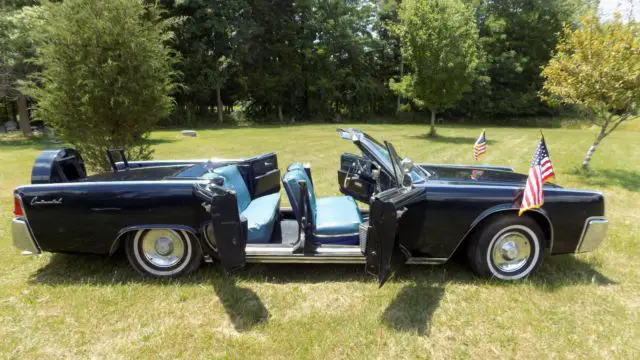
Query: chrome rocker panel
(324, 255)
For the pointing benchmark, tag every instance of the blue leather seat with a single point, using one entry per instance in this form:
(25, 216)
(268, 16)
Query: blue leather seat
(336, 220)
(261, 212)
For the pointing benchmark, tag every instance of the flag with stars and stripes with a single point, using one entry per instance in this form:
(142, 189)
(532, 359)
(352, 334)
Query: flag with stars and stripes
(480, 146)
(541, 171)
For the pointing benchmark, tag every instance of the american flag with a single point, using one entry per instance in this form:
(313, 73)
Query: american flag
(540, 172)
(480, 146)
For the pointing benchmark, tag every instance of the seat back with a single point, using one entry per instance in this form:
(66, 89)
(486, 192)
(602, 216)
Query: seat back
(294, 174)
(233, 180)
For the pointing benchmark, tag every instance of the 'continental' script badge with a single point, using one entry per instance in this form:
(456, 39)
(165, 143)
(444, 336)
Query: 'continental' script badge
(35, 201)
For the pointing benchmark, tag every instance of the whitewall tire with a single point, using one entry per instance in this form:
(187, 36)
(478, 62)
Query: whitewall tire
(509, 247)
(163, 252)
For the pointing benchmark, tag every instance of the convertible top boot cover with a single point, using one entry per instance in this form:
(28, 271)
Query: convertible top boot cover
(336, 220)
(260, 212)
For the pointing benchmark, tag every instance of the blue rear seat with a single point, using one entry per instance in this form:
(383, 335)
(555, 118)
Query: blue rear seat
(336, 220)
(261, 212)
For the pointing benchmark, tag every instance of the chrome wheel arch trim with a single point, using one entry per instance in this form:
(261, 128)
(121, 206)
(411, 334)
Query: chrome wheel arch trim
(527, 271)
(502, 209)
(129, 229)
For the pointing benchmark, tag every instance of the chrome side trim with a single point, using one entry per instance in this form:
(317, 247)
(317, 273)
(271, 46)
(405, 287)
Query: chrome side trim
(425, 261)
(594, 231)
(302, 259)
(22, 238)
(336, 235)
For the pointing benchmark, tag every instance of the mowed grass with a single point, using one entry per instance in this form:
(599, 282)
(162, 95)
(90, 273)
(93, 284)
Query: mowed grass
(585, 306)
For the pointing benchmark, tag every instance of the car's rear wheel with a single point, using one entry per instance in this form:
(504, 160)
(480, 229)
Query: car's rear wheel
(163, 252)
(508, 248)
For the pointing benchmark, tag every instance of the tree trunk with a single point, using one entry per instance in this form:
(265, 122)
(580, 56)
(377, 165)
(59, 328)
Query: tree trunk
(592, 149)
(23, 114)
(280, 113)
(432, 131)
(398, 104)
(220, 106)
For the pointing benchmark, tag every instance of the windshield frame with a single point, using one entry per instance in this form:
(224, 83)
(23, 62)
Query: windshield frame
(381, 155)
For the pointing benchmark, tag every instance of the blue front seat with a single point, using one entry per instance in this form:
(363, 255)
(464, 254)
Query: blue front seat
(261, 212)
(336, 220)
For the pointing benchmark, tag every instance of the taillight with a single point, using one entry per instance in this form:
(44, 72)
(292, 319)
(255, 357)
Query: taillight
(17, 206)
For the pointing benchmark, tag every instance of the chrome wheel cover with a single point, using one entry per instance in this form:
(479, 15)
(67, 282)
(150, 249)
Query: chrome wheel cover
(511, 251)
(162, 248)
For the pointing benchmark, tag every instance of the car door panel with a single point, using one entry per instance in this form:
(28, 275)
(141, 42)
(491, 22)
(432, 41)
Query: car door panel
(229, 229)
(263, 174)
(355, 177)
(381, 239)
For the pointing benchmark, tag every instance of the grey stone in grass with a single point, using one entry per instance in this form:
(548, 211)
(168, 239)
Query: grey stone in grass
(191, 133)
(11, 125)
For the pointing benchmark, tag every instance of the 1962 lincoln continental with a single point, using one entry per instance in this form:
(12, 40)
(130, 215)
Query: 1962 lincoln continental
(170, 216)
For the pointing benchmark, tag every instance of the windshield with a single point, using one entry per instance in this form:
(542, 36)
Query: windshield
(380, 151)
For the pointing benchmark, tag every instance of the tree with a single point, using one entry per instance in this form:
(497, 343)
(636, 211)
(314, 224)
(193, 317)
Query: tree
(107, 74)
(517, 38)
(16, 51)
(439, 42)
(597, 67)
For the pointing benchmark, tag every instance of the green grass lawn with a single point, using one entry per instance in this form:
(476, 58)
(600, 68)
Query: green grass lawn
(585, 306)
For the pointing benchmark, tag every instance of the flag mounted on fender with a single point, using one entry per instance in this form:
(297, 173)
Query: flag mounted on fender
(540, 172)
(480, 146)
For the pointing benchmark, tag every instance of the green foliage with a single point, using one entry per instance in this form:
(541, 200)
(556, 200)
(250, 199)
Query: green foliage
(597, 67)
(107, 74)
(517, 38)
(439, 41)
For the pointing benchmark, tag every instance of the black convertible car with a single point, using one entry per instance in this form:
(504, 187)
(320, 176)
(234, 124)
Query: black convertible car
(169, 216)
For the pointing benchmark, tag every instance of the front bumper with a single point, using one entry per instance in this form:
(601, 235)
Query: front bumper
(22, 238)
(595, 229)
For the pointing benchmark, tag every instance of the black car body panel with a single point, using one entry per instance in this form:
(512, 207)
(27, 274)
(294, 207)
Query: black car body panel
(68, 211)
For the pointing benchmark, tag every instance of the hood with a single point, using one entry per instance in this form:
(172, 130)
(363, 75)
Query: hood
(475, 175)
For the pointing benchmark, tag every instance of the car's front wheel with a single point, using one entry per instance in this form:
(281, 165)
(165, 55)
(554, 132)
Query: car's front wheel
(508, 248)
(163, 252)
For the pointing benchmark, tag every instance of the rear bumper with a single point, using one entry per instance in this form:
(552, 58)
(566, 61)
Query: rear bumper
(22, 238)
(595, 229)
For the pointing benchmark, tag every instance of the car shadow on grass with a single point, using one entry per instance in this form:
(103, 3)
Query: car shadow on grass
(413, 307)
(411, 310)
(243, 305)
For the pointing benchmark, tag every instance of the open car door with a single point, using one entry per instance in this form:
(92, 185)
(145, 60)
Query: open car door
(229, 229)
(382, 251)
(381, 237)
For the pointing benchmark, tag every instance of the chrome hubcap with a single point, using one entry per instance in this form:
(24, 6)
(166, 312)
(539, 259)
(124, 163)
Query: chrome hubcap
(163, 248)
(511, 251)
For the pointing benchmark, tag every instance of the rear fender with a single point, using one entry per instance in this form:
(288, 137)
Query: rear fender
(131, 229)
(539, 215)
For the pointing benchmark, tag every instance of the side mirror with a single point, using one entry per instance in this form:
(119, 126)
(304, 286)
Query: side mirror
(407, 165)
